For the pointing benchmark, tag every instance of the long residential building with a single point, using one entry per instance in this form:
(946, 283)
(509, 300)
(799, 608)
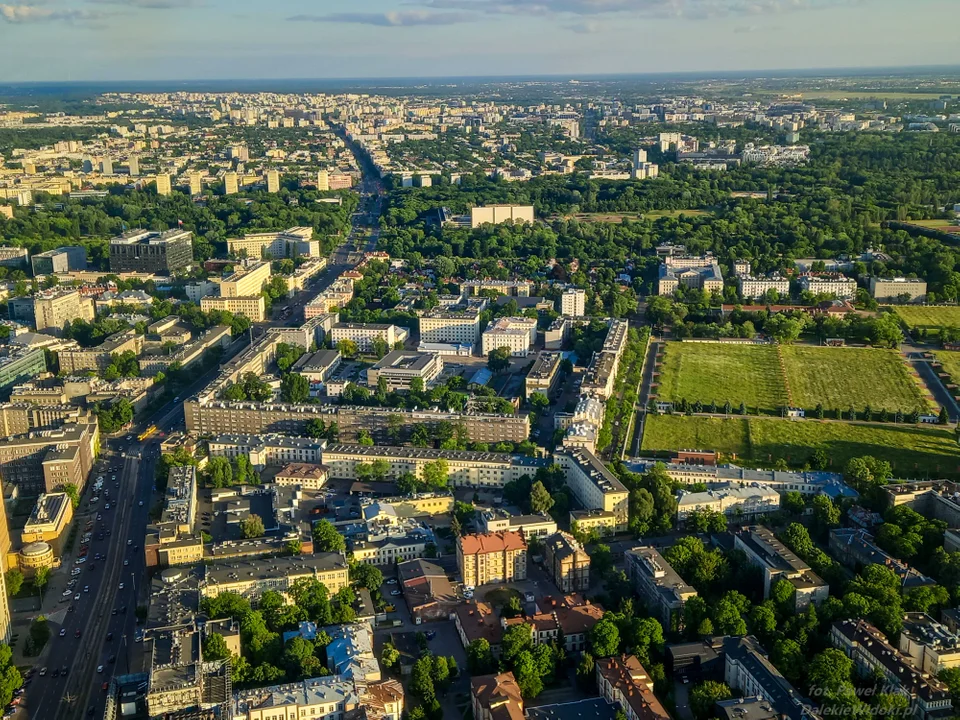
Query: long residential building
(594, 486)
(461, 327)
(41, 461)
(777, 561)
(252, 307)
(245, 281)
(293, 242)
(544, 374)
(693, 272)
(855, 548)
(747, 670)
(731, 500)
(899, 289)
(465, 468)
(492, 558)
(517, 334)
(809, 482)
(624, 681)
(660, 587)
(364, 334)
(98, 358)
(835, 284)
(872, 654)
(269, 449)
(213, 417)
(251, 578)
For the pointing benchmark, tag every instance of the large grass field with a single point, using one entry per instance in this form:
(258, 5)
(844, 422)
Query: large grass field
(928, 317)
(912, 451)
(713, 372)
(841, 378)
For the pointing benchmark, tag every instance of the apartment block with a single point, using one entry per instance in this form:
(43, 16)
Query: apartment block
(321, 698)
(289, 243)
(573, 302)
(263, 450)
(494, 520)
(567, 562)
(162, 253)
(400, 367)
(747, 670)
(364, 334)
(209, 416)
(625, 682)
(99, 357)
(594, 486)
(460, 327)
(736, 502)
(42, 460)
(928, 646)
(317, 367)
(755, 287)
(855, 548)
(253, 307)
(163, 184)
(497, 214)
(465, 468)
(496, 697)
(55, 308)
(544, 374)
(587, 521)
(700, 272)
(492, 558)
(777, 561)
(251, 578)
(659, 586)
(245, 282)
(835, 284)
(511, 288)
(516, 333)
(872, 654)
(898, 290)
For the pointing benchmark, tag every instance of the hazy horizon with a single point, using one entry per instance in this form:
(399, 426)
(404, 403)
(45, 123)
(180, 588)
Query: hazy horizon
(210, 40)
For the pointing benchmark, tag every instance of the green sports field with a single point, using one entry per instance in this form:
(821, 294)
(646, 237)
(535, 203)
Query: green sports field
(714, 372)
(912, 451)
(840, 378)
(932, 317)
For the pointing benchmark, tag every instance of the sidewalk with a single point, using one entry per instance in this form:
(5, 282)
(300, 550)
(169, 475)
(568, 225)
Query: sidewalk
(51, 607)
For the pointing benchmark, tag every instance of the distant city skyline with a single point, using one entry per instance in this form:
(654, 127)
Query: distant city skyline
(104, 40)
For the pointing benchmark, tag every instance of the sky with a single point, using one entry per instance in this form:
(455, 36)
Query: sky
(100, 40)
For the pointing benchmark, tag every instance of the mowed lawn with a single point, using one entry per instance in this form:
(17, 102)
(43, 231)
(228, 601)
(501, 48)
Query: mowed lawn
(928, 317)
(841, 378)
(913, 451)
(714, 372)
(950, 360)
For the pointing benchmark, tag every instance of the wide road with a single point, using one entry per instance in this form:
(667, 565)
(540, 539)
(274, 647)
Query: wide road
(109, 588)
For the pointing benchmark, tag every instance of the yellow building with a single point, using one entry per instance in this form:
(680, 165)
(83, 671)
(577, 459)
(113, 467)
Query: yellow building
(252, 307)
(49, 521)
(251, 578)
(246, 281)
(585, 521)
(32, 557)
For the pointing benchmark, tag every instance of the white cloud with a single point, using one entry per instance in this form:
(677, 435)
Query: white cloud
(388, 19)
(32, 14)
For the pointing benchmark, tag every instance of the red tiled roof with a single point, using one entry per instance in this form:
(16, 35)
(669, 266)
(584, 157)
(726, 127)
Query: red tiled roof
(627, 675)
(481, 544)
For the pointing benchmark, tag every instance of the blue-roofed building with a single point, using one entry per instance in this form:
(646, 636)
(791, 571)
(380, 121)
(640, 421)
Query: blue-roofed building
(307, 630)
(350, 653)
(481, 377)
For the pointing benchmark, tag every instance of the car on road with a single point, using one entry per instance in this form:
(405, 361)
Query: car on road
(86, 588)
(99, 516)
(121, 586)
(66, 593)
(75, 571)
(140, 503)
(99, 668)
(43, 672)
(77, 596)
(431, 634)
(77, 634)
(107, 506)
(129, 543)
(56, 672)
(64, 671)
(114, 611)
(109, 636)
(63, 632)
(392, 581)
(126, 562)
(123, 610)
(395, 592)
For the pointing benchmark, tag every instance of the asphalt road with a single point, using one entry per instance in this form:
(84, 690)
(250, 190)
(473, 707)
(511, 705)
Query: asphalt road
(109, 588)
